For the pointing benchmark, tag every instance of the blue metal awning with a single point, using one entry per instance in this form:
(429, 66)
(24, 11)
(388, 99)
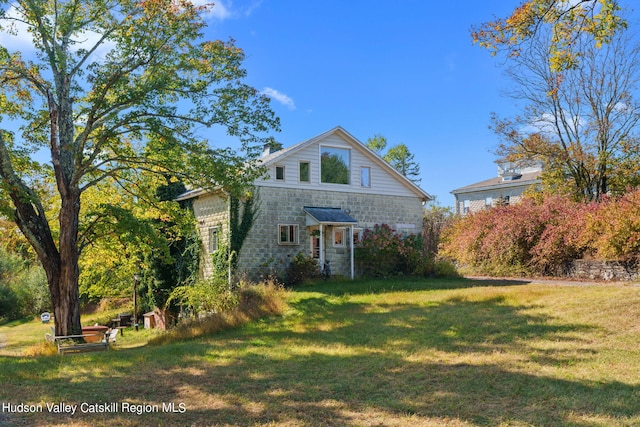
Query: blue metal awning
(328, 216)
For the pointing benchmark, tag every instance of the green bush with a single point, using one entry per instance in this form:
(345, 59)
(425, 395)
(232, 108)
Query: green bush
(302, 268)
(205, 296)
(9, 307)
(23, 287)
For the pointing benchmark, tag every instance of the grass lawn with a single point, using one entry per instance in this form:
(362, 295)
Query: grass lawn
(395, 353)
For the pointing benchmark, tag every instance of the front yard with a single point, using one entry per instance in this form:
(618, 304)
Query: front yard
(407, 352)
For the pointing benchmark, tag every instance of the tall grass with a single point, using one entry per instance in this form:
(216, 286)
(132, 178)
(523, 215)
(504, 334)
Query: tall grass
(400, 353)
(254, 302)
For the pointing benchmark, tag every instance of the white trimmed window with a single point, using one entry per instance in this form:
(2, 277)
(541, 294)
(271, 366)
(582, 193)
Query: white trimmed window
(288, 234)
(279, 173)
(214, 235)
(335, 165)
(365, 176)
(488, 202)
(305, 172)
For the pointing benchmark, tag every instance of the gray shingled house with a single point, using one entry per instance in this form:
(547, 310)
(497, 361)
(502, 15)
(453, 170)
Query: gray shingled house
(512, 181)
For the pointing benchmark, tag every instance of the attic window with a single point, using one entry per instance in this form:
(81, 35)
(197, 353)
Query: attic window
(365, 177)
(511, 176)
(279, 173)
(304, 172)
(335, 165)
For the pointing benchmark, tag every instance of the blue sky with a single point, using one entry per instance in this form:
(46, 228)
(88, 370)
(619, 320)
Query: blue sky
(406, 70)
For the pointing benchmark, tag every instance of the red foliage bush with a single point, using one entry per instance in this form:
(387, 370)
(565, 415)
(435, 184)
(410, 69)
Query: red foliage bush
(530, 237)
(614, 227)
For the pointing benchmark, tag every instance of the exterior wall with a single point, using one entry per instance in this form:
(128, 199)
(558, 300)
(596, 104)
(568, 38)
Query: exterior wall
(211, 210)
(261, 254)
(477, 199)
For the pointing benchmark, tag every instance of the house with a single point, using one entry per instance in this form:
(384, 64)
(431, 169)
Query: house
(512, 181)
(316, 198)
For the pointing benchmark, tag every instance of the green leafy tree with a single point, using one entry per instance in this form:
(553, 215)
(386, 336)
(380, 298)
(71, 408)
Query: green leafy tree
(398, 156)
(401, 159)
(114, 88)
(377, 143)
(569, 21)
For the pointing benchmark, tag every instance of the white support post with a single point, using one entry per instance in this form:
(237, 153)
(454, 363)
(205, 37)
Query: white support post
(352, 250)
(321, 248)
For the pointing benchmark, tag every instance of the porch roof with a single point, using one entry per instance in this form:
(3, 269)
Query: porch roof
(328, 216)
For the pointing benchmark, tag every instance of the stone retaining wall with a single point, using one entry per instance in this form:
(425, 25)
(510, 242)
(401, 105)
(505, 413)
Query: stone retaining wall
(602, 270)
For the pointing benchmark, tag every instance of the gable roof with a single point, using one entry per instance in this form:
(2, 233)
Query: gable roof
(277, 156)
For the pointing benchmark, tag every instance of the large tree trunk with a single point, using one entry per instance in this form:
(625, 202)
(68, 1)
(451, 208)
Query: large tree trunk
(65, 299)
(60, 262)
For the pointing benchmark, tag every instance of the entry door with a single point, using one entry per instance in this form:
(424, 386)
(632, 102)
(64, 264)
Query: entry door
(315, 246)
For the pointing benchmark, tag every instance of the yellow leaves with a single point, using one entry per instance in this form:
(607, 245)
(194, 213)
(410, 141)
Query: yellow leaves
(598, 19)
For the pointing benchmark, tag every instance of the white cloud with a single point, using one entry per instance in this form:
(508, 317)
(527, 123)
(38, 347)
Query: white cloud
(18, 38)
(279, 97)
(15, 36)
(217, 9)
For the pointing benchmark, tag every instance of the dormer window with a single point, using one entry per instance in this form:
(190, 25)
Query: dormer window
(511, 176)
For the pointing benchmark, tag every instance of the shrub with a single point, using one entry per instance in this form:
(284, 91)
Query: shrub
(205, 296)
(254, 302)
(382, 252)
(9, 308)
(533, 237)
(302, 268)
(23, 287)
(434, 221)
(614, 227)
(495, 241)
(564, 237)
(378, 251)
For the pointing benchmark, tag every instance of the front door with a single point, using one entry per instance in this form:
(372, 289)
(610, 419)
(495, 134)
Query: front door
(315, 247)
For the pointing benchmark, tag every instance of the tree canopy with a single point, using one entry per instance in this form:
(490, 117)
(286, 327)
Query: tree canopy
(569, 20)
(109, 89)
(581, 122)
(398, 156)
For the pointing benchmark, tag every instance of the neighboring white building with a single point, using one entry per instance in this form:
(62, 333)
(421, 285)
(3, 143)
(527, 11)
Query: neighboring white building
(512, 180)
(318, 197)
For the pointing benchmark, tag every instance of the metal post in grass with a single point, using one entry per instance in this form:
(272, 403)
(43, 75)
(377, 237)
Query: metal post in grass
(136, 282)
